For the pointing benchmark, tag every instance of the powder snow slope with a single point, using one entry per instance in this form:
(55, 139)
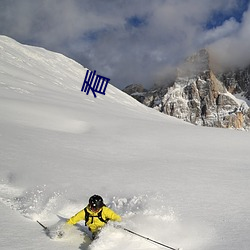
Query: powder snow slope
(176, 183)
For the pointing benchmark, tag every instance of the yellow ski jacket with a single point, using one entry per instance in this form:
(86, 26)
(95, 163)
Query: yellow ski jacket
(94, 223)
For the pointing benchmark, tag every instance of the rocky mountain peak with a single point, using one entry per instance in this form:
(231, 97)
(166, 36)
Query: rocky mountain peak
(202, 97)
(196, 64)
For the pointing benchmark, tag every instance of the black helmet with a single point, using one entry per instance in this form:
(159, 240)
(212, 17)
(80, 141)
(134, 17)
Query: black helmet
(95, 202)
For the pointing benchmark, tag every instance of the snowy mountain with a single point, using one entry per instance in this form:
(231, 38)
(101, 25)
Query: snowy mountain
(201, 96)
(182, 185)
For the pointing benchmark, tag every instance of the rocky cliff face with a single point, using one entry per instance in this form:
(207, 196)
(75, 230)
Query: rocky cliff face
(237, 81)
(201, 97)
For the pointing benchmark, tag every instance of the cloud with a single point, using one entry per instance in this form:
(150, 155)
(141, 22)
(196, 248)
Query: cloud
(228, 28)
(128, 41)
(233, 49)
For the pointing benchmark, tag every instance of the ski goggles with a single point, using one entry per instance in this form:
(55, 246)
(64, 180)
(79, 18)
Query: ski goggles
(94, 208)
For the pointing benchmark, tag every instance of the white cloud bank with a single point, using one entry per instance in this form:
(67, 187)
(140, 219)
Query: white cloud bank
(130, 41)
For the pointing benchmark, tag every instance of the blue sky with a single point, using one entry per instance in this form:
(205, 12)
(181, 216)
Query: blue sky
(218, 17)
(132, 41)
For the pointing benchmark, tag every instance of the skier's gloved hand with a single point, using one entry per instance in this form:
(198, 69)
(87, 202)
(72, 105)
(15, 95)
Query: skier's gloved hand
(60, 233)
(62, 230)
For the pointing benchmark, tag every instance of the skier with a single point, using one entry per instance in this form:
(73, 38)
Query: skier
(95, 214)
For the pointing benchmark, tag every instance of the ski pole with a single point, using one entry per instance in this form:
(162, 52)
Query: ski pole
(45, 228)
(146, 238)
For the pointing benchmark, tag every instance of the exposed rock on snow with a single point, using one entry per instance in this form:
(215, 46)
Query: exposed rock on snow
(137, 91)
